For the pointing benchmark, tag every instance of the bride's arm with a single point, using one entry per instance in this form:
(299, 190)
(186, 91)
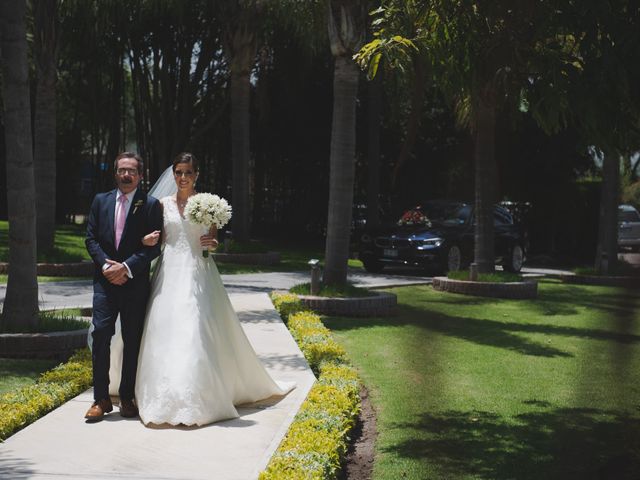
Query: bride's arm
(151, 239)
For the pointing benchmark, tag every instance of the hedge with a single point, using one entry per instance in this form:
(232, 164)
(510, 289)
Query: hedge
(25, 405)
(318, 438)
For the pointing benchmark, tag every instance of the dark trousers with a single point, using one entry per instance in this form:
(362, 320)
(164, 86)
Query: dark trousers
(108, 302)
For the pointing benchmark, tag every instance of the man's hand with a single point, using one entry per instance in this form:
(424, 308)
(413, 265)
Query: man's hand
(116, 273)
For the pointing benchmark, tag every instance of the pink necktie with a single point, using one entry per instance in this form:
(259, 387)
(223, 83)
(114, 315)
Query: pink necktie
(121, 215)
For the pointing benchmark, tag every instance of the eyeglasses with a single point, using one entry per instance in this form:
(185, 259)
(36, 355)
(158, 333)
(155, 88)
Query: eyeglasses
(131, 171)
(185, 173)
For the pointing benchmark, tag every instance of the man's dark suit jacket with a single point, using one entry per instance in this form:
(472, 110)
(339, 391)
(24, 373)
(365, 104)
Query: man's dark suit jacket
(145, 216)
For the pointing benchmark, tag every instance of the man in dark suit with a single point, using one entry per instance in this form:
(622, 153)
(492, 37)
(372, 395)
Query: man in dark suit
(118, 221)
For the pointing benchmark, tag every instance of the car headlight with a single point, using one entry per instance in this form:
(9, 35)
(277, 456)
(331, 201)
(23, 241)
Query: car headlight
(430, 243)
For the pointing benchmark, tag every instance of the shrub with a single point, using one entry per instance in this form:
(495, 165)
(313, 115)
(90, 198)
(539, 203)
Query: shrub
(286, 304)
(317, 440)
(27, 404)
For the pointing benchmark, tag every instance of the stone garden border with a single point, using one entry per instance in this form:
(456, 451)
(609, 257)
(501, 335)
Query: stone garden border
(604, 280)
(378, 304)
(268, 258)
(57, 345)
(526, 289)
(75, 269)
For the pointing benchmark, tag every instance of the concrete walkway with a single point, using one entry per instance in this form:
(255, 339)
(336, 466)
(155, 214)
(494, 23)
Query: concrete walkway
(78, 293)
(62, 445)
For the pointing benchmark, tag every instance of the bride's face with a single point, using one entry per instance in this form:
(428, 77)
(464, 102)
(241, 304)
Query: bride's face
(185, 176)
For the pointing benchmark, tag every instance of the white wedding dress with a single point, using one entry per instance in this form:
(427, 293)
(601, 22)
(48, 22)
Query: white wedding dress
(196, 363)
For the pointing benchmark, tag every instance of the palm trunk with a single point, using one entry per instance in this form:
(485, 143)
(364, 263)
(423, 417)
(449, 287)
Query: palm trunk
(485, 175)
(244, 51)
(373, 152)
(607, 252)
(21, 300)
(44, 153)
(342, 166)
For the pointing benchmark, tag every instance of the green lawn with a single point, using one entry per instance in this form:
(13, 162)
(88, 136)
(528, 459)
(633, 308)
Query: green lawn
(16, 373)
(476, 388)
(69, 244)
(69, 247)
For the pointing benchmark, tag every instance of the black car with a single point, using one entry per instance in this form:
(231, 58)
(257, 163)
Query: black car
(439, 235)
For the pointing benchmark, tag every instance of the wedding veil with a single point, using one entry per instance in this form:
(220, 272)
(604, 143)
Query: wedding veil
(165, 185)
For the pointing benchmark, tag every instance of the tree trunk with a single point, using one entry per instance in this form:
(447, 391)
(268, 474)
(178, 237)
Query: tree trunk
(607, 251)
(44, 152)
(243, 56)
(21, 300)
(485, 175)
(342, 170)
(373, 150)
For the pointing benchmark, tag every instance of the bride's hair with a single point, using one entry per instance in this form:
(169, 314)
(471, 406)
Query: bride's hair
(186, 157)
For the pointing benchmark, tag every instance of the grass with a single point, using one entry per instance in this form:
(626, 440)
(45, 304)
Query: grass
(16, 373)
(292, 258)
(622, 268)
(478, 388)
(70, 248)
(348, 290)
(69, 245)
(244, 247)
(495, 277)
(43, 279)
(54, 321)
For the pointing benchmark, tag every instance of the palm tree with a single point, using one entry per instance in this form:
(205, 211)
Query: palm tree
(346, 36)
(21, 301)
(44, 139)
(240, 45)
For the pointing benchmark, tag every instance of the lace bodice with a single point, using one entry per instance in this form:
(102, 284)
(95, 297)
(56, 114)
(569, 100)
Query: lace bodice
(179, 234)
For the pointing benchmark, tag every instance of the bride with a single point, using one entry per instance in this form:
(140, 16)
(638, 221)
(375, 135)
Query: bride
(196, 363)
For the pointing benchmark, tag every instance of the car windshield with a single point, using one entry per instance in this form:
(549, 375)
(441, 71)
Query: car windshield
(458, 216)
(628, 216)
(439, 211)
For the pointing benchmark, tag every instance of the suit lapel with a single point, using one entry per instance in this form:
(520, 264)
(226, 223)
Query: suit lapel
(134, 210)
(111, 209)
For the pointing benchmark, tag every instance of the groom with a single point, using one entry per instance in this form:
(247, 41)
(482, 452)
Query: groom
(117, 222)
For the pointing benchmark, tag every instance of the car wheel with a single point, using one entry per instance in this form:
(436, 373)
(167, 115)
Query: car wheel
(454, 258)
(373, 266)
(515, 259)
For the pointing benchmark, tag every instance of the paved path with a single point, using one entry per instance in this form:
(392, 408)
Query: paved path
(78, 293)
(62, 445)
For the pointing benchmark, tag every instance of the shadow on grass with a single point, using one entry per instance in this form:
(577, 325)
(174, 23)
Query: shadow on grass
(561, 300)
(484, 331)
(567, 443)
(618, 301)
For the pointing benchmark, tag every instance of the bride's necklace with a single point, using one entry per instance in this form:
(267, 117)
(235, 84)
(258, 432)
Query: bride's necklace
(183, 203)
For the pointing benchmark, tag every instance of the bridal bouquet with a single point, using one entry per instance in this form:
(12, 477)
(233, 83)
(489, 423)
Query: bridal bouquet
(208, 210)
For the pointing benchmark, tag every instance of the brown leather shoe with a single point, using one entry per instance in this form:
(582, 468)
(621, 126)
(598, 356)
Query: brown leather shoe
(128, 409)
(98, 409)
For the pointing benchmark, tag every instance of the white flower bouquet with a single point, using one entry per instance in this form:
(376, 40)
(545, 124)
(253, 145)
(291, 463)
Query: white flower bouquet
(208, 210)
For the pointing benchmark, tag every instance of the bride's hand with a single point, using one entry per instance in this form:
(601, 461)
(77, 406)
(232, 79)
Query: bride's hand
(209, 241)
(151, 239)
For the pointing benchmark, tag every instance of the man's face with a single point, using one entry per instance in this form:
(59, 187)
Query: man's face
(127, 176)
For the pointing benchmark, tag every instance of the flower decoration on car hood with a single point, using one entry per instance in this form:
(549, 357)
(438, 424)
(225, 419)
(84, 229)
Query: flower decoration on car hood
(414, 217)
